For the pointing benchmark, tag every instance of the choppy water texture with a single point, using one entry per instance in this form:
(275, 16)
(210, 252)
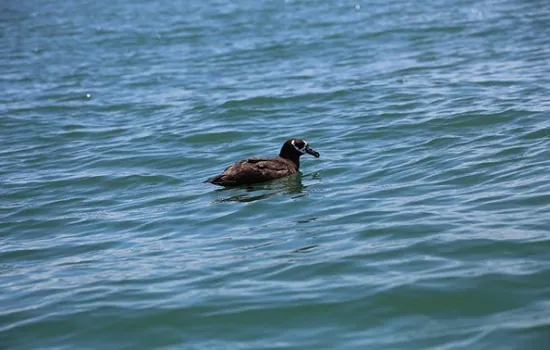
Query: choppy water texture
(425, 224)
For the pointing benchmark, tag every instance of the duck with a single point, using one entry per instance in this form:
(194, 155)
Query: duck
(255, 170)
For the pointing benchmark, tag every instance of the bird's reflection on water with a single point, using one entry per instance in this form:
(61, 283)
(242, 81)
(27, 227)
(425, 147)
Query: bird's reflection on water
(290, 185)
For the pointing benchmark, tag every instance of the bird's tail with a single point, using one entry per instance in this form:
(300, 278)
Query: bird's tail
(213, 179)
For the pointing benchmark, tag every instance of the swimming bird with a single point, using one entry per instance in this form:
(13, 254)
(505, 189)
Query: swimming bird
(254, 170)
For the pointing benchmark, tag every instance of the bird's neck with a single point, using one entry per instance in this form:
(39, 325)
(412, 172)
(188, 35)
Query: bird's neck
(292, 157)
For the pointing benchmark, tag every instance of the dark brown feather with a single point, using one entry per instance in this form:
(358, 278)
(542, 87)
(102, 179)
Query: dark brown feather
(254, 170)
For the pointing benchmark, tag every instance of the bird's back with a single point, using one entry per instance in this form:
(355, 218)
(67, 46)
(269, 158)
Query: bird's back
(254, 170)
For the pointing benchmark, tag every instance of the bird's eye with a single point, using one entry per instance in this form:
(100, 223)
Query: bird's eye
(299, 146)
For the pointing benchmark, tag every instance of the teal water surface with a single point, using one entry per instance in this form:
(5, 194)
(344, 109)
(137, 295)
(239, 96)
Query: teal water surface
(425, 224)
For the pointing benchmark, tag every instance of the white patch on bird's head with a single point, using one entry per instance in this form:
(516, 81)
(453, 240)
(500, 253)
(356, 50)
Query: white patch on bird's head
(299, 145)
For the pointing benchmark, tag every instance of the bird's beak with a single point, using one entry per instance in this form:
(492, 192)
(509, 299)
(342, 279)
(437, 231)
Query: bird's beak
(313, 152)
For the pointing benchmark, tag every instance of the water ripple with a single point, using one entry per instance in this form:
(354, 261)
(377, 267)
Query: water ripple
(423, 224)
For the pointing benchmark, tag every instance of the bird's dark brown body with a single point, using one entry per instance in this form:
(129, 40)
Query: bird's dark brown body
(255, 170)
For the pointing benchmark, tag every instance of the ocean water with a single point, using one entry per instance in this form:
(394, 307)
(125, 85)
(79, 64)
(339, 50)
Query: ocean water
(425, 223)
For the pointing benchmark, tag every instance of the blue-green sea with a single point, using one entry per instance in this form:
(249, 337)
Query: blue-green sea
(425, 223)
